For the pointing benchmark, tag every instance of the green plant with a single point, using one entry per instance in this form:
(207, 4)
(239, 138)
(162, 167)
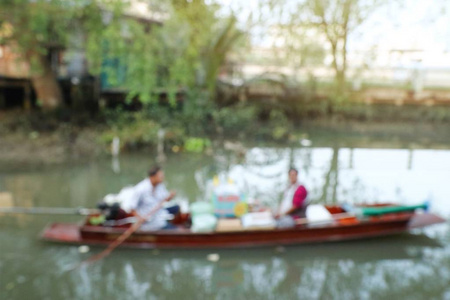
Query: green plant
(133, 130)
(196, 145)
(280, 124)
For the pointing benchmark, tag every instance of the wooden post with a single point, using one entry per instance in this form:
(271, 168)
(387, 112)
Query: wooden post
(2, 100)
(160, 147)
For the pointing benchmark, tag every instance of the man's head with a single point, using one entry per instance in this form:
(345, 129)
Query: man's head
(293, 175)
(156, 175)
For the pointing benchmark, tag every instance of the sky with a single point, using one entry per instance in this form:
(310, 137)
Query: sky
(416, 24)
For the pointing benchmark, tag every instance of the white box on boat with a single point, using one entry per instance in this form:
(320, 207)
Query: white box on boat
(318, 215)
(258, 220)
(227, 225)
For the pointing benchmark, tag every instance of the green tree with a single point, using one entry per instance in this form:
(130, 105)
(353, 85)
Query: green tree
(186, 52)
(336, 20)
(305, 25)
(208, 40)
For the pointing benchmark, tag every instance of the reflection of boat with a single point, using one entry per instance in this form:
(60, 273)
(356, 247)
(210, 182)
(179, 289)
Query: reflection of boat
(340, 227)
(399, 246)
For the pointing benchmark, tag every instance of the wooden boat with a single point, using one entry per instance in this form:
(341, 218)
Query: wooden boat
(342, 227)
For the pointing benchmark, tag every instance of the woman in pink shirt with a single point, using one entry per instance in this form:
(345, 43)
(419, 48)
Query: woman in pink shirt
(293, 205)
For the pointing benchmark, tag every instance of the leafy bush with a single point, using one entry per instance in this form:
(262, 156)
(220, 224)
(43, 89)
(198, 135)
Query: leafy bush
(196, 145)
(236, 119)
(133, 130)
(280, 124)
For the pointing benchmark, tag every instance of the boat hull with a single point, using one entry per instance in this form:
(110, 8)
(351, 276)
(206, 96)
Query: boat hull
(184, 239)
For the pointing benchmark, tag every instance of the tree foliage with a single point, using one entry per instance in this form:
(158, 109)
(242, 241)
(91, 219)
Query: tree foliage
(307, 24)
(337, 19)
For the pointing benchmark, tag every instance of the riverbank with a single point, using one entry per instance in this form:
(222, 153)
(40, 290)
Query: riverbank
(49, 147)
(67, 141)
(370, 134)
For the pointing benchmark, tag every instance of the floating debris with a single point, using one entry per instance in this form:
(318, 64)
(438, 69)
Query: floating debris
(10, 286)
(213, 257)
(83, 249)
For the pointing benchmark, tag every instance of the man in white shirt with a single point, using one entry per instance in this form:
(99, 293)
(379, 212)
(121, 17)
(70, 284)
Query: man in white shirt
(148, 194)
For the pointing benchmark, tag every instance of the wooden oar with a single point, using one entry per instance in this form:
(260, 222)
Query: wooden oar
(48, 210)
(124, 235)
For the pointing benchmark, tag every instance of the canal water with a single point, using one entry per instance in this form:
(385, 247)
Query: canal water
(406, 266)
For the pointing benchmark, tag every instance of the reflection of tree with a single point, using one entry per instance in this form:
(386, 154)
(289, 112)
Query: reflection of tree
(306, 160)
(292, 276)
(410, 159)
(291, 157)
(331, 179)
(271, 157)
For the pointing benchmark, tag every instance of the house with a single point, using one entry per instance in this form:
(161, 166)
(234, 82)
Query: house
(15, 87)
(79, 87)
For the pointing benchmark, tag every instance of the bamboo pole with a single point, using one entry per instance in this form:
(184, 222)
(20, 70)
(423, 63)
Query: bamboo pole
(49, 210)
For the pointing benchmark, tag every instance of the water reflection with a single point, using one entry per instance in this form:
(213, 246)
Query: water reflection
(350, 174)
(331, 175)
(311, 272)
(407, 266)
